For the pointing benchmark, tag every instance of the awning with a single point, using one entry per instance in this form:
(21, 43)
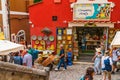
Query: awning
(116, 40)
(6, 47)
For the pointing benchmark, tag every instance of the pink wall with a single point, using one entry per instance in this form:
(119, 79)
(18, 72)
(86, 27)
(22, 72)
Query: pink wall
(41, 15)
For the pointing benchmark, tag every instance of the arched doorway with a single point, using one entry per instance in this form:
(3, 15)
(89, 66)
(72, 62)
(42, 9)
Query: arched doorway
(20, 37)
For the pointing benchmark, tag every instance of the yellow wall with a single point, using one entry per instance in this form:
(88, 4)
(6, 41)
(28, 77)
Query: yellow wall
(18, 5)
(0, 5)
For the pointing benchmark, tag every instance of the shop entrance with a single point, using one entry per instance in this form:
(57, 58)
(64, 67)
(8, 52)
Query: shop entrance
(89, 38)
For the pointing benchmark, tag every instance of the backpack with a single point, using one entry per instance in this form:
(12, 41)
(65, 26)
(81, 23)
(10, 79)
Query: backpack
(107, 67)
(82, 78)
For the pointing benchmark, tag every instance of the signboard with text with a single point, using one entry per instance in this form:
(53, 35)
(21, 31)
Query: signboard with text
(92, 11)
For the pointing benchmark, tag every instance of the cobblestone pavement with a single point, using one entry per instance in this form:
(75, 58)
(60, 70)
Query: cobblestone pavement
(74, 72)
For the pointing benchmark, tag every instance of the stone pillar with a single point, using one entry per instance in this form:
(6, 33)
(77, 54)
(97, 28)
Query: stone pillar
(5, 13)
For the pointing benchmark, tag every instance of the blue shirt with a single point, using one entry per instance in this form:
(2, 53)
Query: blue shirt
(62, 52)
(17, 60)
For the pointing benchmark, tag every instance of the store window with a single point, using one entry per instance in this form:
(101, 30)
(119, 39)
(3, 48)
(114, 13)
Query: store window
(90, 38)
(21, 37)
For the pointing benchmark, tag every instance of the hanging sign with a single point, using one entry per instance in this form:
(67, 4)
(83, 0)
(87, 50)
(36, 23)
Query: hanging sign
(93, 11)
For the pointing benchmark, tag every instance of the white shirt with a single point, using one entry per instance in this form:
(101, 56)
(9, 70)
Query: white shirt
(102, 61)
(27, 59)
(114, 55)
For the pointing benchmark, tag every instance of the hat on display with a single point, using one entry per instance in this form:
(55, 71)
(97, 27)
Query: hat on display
(98, 49)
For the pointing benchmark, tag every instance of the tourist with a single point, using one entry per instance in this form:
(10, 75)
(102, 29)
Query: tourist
(27, 60)
(114, 59)
(62, 58)
(118, 61)
(97, 61)
(88, 75)
(106, 64)
(11, 57)
(17, 58)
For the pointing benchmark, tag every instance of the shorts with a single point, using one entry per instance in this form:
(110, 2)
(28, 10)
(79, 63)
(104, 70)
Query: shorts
(114, 63)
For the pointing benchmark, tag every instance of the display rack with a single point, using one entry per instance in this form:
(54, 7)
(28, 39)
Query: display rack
(64, 36)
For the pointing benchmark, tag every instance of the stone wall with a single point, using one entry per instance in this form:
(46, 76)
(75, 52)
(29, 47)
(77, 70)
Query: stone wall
(9, 71)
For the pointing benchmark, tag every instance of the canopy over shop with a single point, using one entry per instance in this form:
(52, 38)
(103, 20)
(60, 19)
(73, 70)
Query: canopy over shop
(6, 47)
(116, 40)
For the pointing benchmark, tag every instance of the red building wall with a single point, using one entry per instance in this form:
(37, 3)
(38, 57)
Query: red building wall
(41, 15)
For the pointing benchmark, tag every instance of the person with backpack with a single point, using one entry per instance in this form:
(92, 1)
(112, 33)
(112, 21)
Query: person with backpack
(88, 75)
(114, 59)
(106, 63)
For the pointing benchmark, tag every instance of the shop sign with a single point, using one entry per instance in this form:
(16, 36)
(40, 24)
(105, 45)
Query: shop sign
(92, 11)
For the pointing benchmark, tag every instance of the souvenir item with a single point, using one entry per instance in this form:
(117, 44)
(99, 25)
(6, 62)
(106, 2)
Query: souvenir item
(40, 48)
(37, 42)
(70, 42)
(42, 42)
(60, 32)
(45, 37)
(63, 42)
(111, 31)
(64, 37)
(111, 35)
(48, 42)
(51, 38)
(64, 31)
(59, 37)
(35, 47)
(69, 37)
(33, 37)
(39, 37)
(69, 31)
(59, 42)
(52, 47)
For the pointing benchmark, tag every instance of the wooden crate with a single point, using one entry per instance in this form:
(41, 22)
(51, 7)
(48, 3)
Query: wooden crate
(49, 60)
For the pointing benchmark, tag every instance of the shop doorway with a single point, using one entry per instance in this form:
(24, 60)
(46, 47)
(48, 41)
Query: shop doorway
(89, 38)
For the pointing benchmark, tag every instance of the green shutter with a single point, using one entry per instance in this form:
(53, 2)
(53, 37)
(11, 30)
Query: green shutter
(35, 1)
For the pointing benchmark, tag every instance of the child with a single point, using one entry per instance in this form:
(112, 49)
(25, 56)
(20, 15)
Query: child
(88, 75)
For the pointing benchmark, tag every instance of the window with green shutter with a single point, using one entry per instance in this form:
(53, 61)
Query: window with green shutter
(35, 1)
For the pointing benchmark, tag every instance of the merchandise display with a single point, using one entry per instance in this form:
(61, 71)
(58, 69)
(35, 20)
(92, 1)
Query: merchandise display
(51, 38)
(65, 39)
(39, 37)
(33, 37)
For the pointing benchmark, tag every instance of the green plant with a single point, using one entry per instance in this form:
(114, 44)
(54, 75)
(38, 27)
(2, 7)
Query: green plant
(35, 1)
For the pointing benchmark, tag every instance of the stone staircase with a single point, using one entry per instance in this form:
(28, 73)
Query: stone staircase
(85, 58)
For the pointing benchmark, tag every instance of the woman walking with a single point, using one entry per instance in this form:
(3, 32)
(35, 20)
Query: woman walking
(97, 61)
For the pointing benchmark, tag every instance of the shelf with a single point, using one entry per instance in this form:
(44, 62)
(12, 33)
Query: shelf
(93, 40)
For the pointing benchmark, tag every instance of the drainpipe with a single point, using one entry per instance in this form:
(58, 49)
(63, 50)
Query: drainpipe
(5, 13)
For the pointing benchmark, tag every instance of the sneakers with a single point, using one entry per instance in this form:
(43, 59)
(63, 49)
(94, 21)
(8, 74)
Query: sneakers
(56, 69)
(64, 69)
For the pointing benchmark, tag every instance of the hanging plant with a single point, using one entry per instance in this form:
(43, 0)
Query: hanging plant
(46, 31)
